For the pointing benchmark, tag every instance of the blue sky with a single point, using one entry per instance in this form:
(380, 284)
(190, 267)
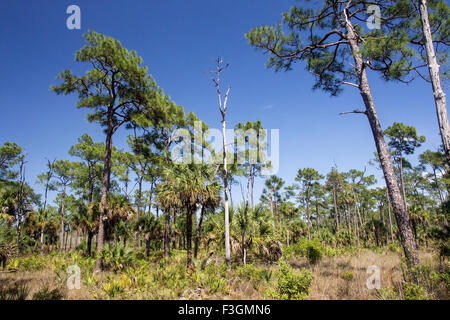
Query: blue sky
(179, 41)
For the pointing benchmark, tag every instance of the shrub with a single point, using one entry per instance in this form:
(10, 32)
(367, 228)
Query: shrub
(113, 287)
(314, 251)
(348, 276)
(30, 263)
(47, 294)
(387, 294)
(16, 291)
(413, 291)
(292, 285)
(216, 284)
(393, 247)
(116, 257)
(250, 272)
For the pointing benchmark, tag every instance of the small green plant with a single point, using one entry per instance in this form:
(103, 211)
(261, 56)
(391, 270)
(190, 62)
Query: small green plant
(413, 291)
(116, 257)
(348, 276)
(216, 284)
(387, 294)
(393, 247)
(314, 251)
(113, 287)
(293, 285)
(30, 263)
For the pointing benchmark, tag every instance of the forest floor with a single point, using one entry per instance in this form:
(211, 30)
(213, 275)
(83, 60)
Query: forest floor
(343, 276)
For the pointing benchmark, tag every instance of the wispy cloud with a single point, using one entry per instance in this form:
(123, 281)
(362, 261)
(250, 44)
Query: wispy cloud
(269, 106)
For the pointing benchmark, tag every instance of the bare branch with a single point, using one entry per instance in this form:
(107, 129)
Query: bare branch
(354, 111)
(350, 84)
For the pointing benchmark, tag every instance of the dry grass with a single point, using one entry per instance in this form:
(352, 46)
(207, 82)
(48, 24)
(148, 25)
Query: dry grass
(329, 284)
(335, 278)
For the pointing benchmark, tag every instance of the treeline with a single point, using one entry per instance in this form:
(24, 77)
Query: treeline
(142, 196)
(181, 207)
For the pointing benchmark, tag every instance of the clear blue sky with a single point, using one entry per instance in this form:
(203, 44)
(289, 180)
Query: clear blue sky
(179, 41)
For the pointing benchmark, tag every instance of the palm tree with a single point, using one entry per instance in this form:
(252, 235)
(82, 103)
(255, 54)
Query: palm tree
(151, 227)
(210, 201)
(168, 199)
(187, 183)
(86, 220)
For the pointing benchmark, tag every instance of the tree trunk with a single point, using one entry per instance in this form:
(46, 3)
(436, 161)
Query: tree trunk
(436, 180)
(225, 191)
(189, 237)
(197, 232)
(42, 240)
(49, 175)
(336, 213)
(244, 234)
(167, 235)
(105, 189)
(402, 181)
(174, 235)
(147, 246)
(253, 190)
(70, 240)
(89, 244)
(390, 216)
(150, 198)
(76, 238)
(61, 232)
(433, 68)
(401, 215)
(139, 202)
(308, 215)
(358, 215)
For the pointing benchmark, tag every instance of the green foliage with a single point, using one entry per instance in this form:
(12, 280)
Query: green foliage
(348, 276)
(10, 155)
(216, 284)
(256, 274)
(114, 287)
(313, 250)
(393, 247)
(388, 294)
(403, 139)
(30, 263)
(413, 291)
(116, 256)
(47, 294)
(292, 285)
(425, 282)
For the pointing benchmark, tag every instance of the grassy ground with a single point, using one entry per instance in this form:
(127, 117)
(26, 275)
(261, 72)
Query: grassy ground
(342, 276)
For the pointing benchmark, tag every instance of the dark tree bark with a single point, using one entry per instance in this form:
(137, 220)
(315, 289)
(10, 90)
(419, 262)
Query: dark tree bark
(197, 232)
(89, 243)
(167, 235)
(61, 232)
(105, 187)
(401, 214)
(189, 212)
(147, 246)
